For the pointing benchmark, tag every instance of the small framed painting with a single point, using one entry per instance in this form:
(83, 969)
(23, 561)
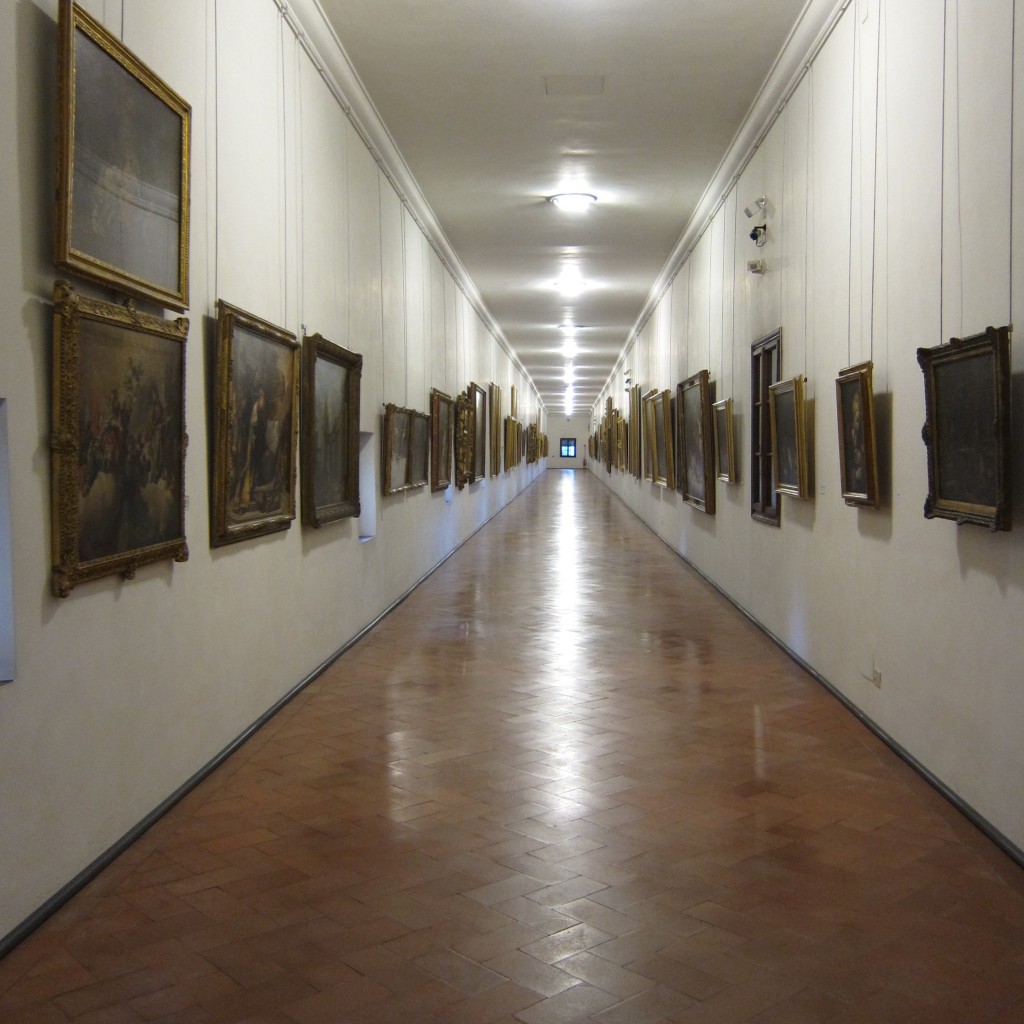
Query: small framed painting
(495, 428)
(789, 437)
(419, 448)
(122, 167)
(330, 431)
(725, 441)
(255, 427)
(397, 436)
(855, 413)
(967, 429)
(479, 397)
(442, 424)
(118, 462)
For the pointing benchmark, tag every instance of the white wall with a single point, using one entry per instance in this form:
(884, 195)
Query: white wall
(559, 426)
(126, 689)
(892, 187)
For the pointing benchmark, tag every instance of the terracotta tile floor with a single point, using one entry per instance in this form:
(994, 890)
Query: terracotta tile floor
(564, 781)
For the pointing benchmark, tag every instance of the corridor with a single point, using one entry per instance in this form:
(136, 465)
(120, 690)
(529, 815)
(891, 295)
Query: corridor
(563, 781)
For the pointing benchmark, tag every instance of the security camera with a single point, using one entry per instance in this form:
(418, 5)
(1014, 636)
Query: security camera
(757, 236)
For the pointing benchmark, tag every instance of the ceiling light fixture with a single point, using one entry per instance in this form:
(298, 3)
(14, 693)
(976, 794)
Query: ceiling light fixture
(570, 281)
(573, 202)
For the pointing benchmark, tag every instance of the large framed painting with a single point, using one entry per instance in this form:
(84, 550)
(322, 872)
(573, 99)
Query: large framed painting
(725, 441)
(855, 413)
(479, 398)
(647, 418)
(330, 431)
(122, 167)
(495, 428)
(442, 428)
(635, 419)
(694, 433)
(255, 427)
(118, 448)
(789, 437)
(967, 429)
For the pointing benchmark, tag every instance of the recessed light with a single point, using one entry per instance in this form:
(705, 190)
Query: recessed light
(573, 202)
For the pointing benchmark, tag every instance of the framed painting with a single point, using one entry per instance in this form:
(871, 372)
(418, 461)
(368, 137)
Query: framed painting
(663, 460)
(122, 167)
(419, 448)
(789, 437)
(255, 427)
(694, 433)
(495, 428)
(858, 461)
(465, 434)
(513, 410)
(635, 461)
(725, 441)
(118, 449)
(397, 435)
(479, 397)
(967, 429)
(647, 407)
(442, 426)
(330, 431)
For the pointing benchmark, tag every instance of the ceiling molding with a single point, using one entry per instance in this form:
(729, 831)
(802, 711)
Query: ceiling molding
(317, 37)
(812, 30)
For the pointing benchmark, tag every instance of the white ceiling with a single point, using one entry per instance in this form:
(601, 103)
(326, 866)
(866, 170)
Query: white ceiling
(496, 104)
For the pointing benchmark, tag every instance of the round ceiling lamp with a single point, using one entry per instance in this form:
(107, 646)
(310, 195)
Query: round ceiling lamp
(573, 202)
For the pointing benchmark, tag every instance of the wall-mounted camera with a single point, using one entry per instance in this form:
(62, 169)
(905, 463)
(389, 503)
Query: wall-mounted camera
(759, 235)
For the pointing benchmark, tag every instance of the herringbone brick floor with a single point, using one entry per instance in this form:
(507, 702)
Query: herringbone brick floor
(564, 781)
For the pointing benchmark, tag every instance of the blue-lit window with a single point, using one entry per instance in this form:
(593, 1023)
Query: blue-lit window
(568, 446)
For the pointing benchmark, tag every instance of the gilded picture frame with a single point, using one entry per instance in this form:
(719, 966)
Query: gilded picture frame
(479, 397)
(635, 433)
(659, 428)
(119, 439)
(967, 429)
(855, 417)
(442, 430)
(695, 433)
(789, 437)
(725, 441)
(122, 167)
(495, 427)
(465, 434)
(255, 427)
(329, 420)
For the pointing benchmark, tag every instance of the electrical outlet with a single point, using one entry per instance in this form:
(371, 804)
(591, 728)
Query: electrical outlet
(876, 678)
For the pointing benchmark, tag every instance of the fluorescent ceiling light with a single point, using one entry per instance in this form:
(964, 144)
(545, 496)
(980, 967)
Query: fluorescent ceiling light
(573, 202)
(570, 281)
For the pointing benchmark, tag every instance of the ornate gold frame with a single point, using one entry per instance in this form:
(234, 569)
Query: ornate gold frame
(115, 437)
(240, 506)
(316, 510)
(465, 432)
(789, 437)
(858, 454)
(495, 426)
(120, 184)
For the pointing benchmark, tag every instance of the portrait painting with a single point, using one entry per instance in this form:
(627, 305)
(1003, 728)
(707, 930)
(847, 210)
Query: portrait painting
(967, 429)
(119, 439)
(123, 167)
(257, 370)
(330, 431)
(696, 476)
(789, 437)
(858, 463)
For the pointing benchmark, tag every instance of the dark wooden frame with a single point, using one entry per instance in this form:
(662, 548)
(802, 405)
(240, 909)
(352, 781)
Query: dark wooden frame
(396, 436)
(127, 112)
(695, 434)
(967, 429)
(442, 414)
(330, 470)
(765, 370)
(119, 440)
(789, 437)
(858, 452)
(233, 473)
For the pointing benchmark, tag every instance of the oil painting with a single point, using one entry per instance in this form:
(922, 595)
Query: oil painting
(858, 461)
